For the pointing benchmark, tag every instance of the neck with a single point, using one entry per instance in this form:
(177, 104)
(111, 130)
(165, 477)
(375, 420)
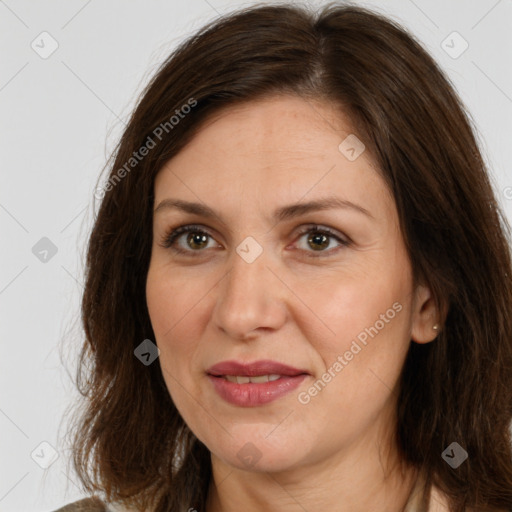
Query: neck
(352, 481)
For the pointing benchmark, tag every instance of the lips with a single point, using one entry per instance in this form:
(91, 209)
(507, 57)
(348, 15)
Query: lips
(261, 367)
(254, 384)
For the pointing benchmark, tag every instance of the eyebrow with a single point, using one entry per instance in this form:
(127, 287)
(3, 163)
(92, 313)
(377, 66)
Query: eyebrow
(281, 214)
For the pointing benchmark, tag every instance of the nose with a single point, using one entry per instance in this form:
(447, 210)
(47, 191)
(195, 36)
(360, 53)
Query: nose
(250, 298)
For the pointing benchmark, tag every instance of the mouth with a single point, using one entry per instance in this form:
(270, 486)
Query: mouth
(261, 368)
(256, 379)
(254, 384)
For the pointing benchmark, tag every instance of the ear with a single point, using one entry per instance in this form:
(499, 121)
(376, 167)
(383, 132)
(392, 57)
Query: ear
(425, 316)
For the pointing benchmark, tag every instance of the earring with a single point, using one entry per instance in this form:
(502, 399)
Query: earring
(435, 327)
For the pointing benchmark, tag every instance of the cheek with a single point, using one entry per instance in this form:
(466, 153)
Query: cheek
(360, 331)
(174, 306)
(363, 314)
(345, 305)
(170, 301)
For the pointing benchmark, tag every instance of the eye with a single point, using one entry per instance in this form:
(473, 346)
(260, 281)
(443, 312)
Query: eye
(198, 238)
(319, 237)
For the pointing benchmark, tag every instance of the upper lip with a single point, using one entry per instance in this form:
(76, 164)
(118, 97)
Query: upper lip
(261, 367)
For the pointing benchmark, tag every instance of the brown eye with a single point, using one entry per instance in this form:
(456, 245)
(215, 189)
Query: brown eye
(319, 239)
(196, 240)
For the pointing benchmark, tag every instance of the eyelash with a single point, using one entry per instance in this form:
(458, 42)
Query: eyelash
(169, 238)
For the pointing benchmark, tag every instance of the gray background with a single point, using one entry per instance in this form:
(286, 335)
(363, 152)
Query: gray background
(61, 116)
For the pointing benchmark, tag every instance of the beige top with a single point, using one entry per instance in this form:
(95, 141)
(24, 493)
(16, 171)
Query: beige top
(438, 502)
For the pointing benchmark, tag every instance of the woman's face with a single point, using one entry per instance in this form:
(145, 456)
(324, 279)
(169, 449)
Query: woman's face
(339, 308)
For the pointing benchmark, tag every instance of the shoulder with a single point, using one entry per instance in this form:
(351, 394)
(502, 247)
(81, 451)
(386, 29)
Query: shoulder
(92, 504)
(438, 500)
(439, 503)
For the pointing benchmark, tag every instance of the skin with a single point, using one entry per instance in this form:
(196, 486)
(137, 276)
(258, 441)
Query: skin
(335, 452)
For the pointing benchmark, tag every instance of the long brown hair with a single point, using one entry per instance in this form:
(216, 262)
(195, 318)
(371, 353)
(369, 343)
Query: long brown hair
(129, 441)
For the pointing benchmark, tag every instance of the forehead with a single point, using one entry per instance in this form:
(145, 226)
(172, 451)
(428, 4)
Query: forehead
(275, 150)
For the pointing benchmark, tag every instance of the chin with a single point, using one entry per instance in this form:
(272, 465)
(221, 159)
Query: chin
(252, 448)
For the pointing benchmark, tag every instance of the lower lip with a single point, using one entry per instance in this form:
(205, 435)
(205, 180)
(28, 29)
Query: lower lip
(254, 394)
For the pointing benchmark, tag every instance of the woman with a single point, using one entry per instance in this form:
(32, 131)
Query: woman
(298, 286)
